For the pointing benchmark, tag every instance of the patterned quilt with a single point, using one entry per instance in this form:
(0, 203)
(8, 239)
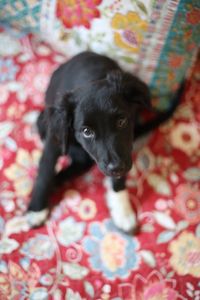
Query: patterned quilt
(79, 253)
(158, 39)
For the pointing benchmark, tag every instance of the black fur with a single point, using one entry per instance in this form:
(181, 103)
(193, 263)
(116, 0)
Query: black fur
(90, 113)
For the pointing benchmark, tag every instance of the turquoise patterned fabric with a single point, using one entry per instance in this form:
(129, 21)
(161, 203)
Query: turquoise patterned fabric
(21, 14)
(178, 51)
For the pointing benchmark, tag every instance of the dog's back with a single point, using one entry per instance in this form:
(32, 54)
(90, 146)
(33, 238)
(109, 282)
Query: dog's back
(77, 72)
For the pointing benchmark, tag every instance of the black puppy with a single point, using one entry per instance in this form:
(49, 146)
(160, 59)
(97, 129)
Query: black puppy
(90, 113)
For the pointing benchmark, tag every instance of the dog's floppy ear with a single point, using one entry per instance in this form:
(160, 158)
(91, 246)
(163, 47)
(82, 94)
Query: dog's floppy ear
(133, 89)
(59, 120)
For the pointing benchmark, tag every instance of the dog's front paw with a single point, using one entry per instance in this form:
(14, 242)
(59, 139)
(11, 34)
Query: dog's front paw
(25, 222)
(37, 212)
(121, 211)
(37, 218)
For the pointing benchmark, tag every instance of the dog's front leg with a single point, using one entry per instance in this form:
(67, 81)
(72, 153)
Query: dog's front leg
(119, 204)
(38, 207)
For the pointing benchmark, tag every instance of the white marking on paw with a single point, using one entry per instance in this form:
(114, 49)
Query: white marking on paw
(120, 209)
(37, 218)
(25, 222)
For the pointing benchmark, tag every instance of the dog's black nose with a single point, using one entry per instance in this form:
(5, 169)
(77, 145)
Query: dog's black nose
(115, 169)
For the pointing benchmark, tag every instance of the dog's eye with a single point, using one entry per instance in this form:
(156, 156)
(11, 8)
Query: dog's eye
(122, 122)
(88, 132)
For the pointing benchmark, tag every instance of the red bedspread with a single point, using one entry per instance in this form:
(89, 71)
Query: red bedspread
(79, 253)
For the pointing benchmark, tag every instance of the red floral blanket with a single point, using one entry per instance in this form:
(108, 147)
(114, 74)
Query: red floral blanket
(79, 253)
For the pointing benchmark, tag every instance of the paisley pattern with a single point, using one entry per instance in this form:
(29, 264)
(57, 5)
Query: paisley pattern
(79, 253)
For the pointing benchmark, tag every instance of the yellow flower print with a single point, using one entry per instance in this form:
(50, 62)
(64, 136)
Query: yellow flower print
(185, 257)
(23, 171)
(129, 31)
(185, 137)
(87, 209)
(113, 251)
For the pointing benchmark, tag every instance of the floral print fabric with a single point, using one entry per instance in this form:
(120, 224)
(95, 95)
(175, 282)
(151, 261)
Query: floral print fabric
(157, 39)
(109, 250)
(79, 253)
(77, 13)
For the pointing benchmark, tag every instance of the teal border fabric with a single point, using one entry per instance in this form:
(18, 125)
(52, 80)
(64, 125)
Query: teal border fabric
(21, 14)
(178, 52)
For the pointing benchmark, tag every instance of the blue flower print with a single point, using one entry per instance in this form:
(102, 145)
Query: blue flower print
(111, 251)
(7, 70)
(39, 247)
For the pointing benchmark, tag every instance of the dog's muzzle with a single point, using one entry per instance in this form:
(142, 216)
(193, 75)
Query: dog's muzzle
(116, 169)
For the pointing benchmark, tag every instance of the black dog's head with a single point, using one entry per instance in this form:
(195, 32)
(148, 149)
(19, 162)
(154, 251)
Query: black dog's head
(101, 116)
